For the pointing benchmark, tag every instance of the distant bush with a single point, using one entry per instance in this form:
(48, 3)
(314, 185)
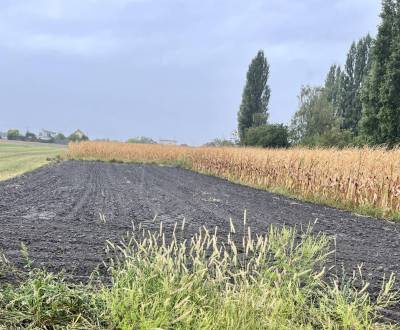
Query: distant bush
(60, 139)
(220, 143)
(267, 136)
(13, 134)
(335, 137)
(60, 136)
(29, 136)
(141, 140)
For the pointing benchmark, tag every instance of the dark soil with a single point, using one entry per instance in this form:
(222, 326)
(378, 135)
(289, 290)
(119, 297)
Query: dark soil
(56, 211)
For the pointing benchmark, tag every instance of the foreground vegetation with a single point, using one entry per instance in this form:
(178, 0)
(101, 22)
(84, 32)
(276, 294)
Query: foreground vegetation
(363, 180)
(20, 157)
(160, 281)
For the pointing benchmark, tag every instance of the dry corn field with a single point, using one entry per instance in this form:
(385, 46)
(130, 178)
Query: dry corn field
(365, 180)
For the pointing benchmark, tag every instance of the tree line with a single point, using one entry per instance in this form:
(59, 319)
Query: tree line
(59, 138)
(358, 104)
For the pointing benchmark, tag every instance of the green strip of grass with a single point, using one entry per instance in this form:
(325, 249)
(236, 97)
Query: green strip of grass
(17, 157)
(242, 281)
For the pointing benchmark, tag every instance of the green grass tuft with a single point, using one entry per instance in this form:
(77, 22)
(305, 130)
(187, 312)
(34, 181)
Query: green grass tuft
(161, 281)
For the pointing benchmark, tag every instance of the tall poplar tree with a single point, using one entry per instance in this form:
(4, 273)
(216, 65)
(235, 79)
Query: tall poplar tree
(381, 95)
(254, 107)
(332, 87)
(348, 87)
(361, 71)
(389, 115)
(331, 114)
(315, 117)
(356, 69)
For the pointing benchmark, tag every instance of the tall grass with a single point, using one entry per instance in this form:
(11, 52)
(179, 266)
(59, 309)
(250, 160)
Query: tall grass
(162, 281)
(365, 180)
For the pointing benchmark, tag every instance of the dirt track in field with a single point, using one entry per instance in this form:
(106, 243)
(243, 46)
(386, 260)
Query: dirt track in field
(55, 212)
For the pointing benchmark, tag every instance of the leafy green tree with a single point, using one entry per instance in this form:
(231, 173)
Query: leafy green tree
(315, 117)
(330, 115)
(254, 107)
(29, 136)
(380, 98)
(268, 136)
(60, 137)
(356, 69)
(348, 88)
(335, 137)
(361, 72)
(332, 86)
(13, 134)
(389, 115)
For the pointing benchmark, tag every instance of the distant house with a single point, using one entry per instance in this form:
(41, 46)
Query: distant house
(78, 135)
(46, 135)
(168, 142)
(3, 136)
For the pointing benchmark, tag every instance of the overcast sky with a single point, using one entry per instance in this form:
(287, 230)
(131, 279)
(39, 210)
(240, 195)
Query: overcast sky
(172, 69)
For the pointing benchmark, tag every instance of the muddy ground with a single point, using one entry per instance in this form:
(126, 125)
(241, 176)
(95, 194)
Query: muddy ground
(56, 211)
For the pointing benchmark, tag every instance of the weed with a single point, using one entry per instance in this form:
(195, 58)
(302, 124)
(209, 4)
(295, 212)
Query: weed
(159, 280)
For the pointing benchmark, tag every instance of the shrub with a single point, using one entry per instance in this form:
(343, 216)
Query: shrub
(141, 140)
(13, 134)
(335, 137)
(243, 281)
(271, 136)
(220, 143)
(60, 136)
(29, 136)
(47, 301)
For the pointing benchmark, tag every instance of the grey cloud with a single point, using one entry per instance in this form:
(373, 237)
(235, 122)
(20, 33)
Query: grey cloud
(163, 68)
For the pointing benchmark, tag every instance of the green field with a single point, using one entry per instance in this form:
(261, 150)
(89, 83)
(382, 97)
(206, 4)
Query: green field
(20, 157)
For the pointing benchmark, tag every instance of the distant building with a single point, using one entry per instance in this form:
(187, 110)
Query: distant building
(168, 142)
(3, 136)
(46, 135)
(78, 135)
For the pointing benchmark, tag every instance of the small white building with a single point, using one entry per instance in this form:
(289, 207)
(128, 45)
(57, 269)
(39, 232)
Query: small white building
(168, 142)
(46, 135)
(3, 136)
